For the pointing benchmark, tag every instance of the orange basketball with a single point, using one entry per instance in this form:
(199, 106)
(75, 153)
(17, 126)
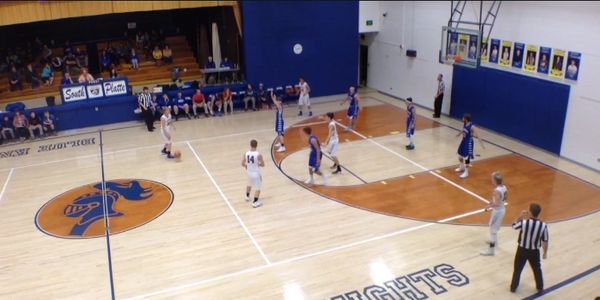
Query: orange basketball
(457, 58)
(177, 154)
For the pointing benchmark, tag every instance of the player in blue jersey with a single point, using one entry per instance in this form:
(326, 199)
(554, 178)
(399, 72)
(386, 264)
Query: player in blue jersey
(314, 159)
(465, 150)
(410, 123)
(278, 122)
(353, 107)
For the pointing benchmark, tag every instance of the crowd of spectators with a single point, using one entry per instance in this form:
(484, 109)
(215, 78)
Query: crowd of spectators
(21, 127)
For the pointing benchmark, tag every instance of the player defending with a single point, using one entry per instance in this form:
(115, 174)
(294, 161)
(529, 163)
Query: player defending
(304, 98)
(332, 143)
(353, 108)
(314, 159)
(278, 122)
(465, 150)
(165, 130)
(252, 162)
(497, 206)
(410, 123)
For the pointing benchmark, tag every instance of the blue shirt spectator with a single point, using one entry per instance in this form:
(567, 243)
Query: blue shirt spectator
(67, 80)
(226, 63)
(210, 64)
(164, 101)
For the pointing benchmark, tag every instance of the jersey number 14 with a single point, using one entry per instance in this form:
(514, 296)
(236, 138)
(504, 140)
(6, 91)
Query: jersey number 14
(250, 159)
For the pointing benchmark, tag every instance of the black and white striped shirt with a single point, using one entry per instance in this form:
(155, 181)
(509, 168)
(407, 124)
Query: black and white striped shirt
(532, 233)
(441, 87)
(144, 100)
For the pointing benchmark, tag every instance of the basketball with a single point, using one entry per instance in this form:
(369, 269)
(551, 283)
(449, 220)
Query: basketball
(177, 154)
(457, 58)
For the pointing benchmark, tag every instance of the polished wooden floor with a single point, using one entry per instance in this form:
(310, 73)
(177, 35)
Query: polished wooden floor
(367, 227)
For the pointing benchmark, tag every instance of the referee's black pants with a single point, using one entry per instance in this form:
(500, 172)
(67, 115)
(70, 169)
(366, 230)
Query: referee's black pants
(533, 257)
(148, 118)
(437, 105)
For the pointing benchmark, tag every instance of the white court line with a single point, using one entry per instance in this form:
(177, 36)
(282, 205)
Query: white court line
(416, 164)
(229, 204)
(6, 183)
(134, 149)
(301, 257)
(308, 124)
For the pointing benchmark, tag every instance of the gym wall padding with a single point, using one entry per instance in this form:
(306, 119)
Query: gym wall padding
(327, 31)
(528, 109)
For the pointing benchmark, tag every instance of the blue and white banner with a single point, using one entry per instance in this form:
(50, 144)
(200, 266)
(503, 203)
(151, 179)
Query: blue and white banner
(494, 51)
(73, 93)
(519, 50)
(115, 87)
(94, 91)
(573, 61)
(544, 60)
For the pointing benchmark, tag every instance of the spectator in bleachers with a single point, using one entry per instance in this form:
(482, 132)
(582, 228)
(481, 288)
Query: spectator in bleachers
(104, 61)
(165, 102)
(7, 128)
(167, 54)
(46, 53)
(157, 55)
(227, 100)
(210, 64)
(32, 77)
(81, 57)
(250, 96)
(113, 72)
(175, 74)
(68, 49)
(198, 100)
(14, 80)
(212, 99)
(226, 63)
(67, 79)
(181, 106)
(70, 63)
(154, 107)
(20, 124)
(135, 60)
(48, 123)
(35, 124)
(139, 39)
(85, 77)
(47, 75)
(262, 96)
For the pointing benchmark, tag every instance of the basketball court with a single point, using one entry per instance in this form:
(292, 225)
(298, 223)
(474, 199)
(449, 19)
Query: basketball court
(181, 230)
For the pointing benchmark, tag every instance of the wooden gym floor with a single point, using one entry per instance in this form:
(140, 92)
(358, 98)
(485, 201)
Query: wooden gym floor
(391, 215)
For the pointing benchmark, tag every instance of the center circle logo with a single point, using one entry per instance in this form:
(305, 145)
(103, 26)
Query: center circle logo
(79, 213)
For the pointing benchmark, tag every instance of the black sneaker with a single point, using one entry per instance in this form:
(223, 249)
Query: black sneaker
(164, 151)
(169, 156)
(338, 171)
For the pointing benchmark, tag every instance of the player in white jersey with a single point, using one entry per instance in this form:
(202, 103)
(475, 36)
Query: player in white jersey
(165, 129)
(252, 162)
(304, 98)
(497, 206)
(332, 143)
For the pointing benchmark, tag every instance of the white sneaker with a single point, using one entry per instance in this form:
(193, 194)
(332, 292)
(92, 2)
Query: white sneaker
(281, 149)
(487, 252)
(464, 175)
(458, 170)
(256, 204)
(324, 178)
(309, 181)
(246, 198)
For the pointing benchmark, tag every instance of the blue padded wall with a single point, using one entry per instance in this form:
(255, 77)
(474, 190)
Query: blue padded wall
(525, 108)
(327, 30)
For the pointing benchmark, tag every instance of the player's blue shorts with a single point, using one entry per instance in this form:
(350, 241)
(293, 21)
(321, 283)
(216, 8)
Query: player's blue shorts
(352, 111)
(466, 149)
(410, 128)
(312, 161)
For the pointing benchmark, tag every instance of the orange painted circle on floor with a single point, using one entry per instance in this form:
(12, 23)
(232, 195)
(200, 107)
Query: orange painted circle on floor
(79, 213)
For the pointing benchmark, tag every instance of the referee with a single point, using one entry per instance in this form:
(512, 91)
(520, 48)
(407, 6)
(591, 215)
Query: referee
(439, 96)
(144, 100)
(533, 234)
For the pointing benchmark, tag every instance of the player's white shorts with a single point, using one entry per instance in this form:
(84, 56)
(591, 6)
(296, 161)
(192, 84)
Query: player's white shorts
(304, 99)
(332, 147)
(496, 219)
(254, 179)
(166, 134)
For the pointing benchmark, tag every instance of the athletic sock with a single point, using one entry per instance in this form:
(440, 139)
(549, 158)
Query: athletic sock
(255, 199)
(247, 194)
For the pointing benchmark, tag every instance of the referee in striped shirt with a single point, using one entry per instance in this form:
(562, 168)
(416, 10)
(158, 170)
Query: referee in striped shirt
(144, 101)
(533, 234)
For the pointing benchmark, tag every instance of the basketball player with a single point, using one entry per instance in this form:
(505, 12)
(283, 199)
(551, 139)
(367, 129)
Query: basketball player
(353, 108)
(278, 122)
(252, 161)
(410, 123)
(314, 159)
(304, 98)
(165, 130)
(497, 206)
(332, 144)
(465, 150)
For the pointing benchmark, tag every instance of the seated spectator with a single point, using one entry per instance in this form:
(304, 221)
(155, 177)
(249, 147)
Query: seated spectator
(85, 77)
(250, 96)
(47, 75)
(176, 72)
(167, 55)
(113, 72)
(226, 64)
(14, 80)
(212, 99)
(135, 60)
(20, 124)
(48, 123)
(70, 63)
(157, 55)
(68, 49)
(154, 107)
(263, 97)
(31, 77)
(139, 40)
(216, 99)
(105, 61)
(35, 124)
(227, 100)
(199, 101)
(46, 53)
(165, 102)
(210, 64)
(81, 57)
(67, 80)
(7, 128)
(181, 106)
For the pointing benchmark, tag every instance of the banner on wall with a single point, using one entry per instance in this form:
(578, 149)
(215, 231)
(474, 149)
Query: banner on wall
(484, 50)
(94, 91)
(544, 60)
(530, 58)
(473, 46)
(573, 61)
(494, 51)
(505, 56)
(115, 87)
(517, 61)
(453, 44)
(463, 41)
(558, 59)
(73, 93)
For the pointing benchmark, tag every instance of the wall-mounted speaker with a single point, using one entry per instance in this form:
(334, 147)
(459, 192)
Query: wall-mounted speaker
(411, 53)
